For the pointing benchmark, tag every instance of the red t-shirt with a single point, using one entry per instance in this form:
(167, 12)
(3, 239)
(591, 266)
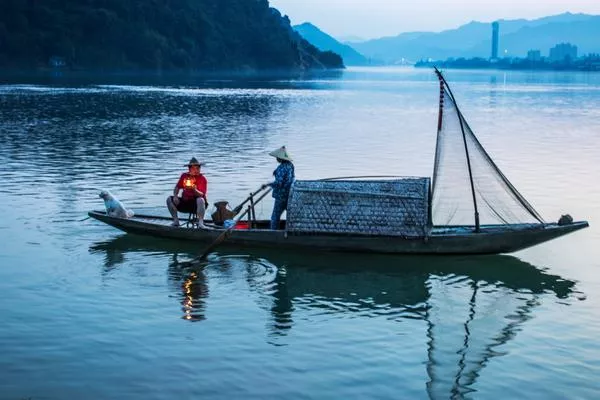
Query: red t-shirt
(187, 181)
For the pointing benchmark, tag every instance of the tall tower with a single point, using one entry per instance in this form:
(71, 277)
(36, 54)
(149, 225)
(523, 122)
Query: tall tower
(495, 29)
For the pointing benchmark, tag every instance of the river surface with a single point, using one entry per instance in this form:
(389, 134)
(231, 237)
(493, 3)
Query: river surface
(89, 312)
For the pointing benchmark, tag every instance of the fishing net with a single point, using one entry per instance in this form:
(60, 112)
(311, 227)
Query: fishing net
(498, 202)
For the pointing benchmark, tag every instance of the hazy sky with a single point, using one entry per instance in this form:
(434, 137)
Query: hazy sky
(376, 18)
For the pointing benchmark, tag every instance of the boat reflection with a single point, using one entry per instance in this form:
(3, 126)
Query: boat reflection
(192, 287)
(471, 305)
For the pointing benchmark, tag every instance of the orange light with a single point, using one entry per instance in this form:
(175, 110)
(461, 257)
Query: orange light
(188, 183)
(188, 299)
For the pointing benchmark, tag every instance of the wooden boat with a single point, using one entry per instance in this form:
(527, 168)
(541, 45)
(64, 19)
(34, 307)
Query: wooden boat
(455, 240)
(395, 216)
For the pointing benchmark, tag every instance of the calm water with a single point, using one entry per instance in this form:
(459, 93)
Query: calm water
(88, 312)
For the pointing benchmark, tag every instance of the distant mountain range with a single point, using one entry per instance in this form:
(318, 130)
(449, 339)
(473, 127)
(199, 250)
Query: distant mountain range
(350, 38)
(474, 39)
(325, 42)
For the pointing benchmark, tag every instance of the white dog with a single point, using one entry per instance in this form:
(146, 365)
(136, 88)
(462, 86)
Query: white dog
(114, 208)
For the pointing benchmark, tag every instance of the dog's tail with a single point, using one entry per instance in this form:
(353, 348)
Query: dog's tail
(130, 213)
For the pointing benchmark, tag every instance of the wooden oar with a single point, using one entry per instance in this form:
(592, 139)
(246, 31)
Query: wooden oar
(223, 236)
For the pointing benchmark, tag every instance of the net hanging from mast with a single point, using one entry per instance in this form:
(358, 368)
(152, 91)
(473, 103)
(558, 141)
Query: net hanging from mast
(468, 187)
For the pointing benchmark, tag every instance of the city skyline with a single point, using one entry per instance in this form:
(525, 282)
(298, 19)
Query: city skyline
(379, 18)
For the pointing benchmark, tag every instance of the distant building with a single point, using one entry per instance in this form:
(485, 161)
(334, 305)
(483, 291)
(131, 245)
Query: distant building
(495, 32)
(563, 52)
(591, 62)
(534, 55)
(57, 62)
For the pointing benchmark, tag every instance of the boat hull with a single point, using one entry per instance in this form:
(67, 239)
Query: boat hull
(452, 240)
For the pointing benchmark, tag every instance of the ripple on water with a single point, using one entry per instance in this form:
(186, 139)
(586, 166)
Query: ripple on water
(93, 313)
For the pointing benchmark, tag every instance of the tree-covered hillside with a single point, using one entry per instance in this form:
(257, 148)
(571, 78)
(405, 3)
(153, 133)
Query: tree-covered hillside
(153, 35)
(325, 42)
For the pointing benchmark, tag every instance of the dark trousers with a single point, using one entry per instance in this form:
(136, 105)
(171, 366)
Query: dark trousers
(278, 209)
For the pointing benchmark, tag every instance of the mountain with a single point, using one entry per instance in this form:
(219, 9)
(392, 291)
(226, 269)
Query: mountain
(474, 39)
(326, 42)
(350, 38)
(239, 35)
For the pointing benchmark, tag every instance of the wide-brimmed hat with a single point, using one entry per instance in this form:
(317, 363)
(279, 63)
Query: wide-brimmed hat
(282, 154)
(193, 162)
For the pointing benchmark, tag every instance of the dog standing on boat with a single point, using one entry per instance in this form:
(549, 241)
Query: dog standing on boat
(114, 208)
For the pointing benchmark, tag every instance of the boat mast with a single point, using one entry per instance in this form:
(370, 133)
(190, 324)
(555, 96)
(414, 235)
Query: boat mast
(436, 161)
(437, 141)
(444, 86)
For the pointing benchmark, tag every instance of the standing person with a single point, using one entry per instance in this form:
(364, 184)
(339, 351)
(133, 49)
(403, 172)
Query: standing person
(284, 177)
(193, 197)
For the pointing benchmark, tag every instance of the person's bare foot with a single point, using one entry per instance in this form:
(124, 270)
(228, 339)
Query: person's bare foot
(200, 225)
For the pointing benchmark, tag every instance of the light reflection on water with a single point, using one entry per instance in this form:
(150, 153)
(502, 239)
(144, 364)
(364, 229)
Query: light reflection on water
(90, 312)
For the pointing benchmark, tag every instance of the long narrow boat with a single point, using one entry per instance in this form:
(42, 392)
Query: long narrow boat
(469, 207)
(456, 240)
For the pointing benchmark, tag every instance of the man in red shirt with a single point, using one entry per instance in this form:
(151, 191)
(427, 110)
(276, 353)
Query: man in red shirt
(192, 184)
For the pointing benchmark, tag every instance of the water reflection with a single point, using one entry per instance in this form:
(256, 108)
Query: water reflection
(220, 79)
(493, 91)
(192, 288)
(189, 285)
(466, 329)
(471, 306)
(282, 308)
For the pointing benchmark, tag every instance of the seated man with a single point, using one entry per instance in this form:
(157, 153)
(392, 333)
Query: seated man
(193, 198)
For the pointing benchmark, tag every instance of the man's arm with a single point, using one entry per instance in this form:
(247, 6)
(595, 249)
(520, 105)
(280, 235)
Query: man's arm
(201, 190)
(178, 186)
(279, 178)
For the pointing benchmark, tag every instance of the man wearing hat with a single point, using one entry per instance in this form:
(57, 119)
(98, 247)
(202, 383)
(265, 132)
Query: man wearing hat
(193, 197)
(284, 178)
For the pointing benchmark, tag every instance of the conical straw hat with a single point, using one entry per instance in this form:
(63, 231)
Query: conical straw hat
(193, 162)
(281, 153)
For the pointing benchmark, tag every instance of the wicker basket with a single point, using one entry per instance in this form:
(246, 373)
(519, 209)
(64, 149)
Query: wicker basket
(222, 213)
(375, 208)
